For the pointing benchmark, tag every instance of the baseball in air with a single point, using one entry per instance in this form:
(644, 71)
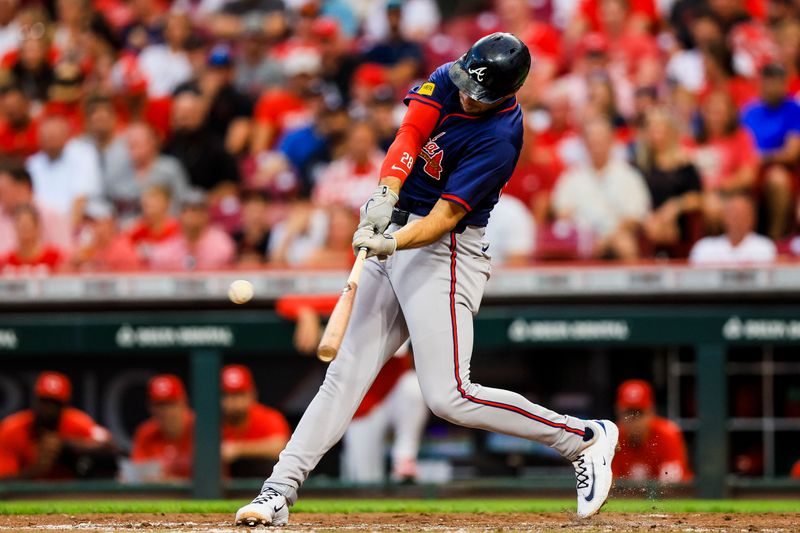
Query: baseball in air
(240, 291)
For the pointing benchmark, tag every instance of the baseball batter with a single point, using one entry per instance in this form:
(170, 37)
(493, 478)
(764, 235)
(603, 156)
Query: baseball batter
(423, 227)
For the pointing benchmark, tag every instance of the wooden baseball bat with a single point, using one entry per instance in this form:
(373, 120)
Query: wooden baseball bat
(340, 317)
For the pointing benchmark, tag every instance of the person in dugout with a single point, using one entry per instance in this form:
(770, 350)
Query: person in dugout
(651, 447)
(53, 440)
(167, 438)
(253, 435)
(393, 403)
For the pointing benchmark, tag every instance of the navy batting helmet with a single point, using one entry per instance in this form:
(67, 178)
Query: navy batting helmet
(494, 67)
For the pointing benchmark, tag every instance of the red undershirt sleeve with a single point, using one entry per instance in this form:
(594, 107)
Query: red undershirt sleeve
(416, 128)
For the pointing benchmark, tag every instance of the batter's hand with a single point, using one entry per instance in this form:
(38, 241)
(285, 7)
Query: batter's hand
(377, 244)
(376, 214)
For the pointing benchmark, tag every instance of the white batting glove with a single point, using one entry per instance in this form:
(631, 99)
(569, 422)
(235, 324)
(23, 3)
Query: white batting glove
(376, 214)
(377, 244)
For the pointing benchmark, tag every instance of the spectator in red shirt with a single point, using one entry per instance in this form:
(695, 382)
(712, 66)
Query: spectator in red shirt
(200, 245)
(167, 438)
(796, 470)
(282, 109)
(156, 227)
(651, 447)
(48, 440)
(253, 435)
(721, 76)
(31, 252)
(16, 188)
(102, 247)
(724, 153)
(19, 132)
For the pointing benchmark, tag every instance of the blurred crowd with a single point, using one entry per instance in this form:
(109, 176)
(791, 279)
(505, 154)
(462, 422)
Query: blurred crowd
(206, 134)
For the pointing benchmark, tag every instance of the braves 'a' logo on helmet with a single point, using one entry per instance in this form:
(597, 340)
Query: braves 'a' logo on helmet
(432, 154)
(478, 73)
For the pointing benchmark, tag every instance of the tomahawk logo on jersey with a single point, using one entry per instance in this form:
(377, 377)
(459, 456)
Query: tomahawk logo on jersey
(468, 158)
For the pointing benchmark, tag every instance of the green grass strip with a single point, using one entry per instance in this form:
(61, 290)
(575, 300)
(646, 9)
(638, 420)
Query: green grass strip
(400, 506)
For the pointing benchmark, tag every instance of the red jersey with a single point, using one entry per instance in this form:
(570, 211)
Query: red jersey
(262, 423)
(175, 456)
(19, 442)
(282, 110)
(718, 160)
(49, 258)
(19, 142)
(661, 456)
(142, 233)
(796, 470)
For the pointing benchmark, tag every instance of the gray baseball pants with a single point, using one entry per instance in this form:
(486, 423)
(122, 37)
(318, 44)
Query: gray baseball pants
(430, 294)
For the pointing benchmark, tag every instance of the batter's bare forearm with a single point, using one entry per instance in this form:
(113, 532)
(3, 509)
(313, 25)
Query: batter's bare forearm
(424, 231)
(393, 183)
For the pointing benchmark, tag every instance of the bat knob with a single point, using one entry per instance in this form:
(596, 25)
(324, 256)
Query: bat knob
(326, 354)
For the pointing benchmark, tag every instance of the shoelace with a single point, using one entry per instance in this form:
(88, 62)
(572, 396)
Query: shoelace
(580, 473)
(267, 494)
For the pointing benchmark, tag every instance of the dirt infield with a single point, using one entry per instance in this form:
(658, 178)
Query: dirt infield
(606, 522)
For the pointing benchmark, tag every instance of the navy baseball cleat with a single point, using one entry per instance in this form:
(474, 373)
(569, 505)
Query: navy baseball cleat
(593, 468)
(269, 508)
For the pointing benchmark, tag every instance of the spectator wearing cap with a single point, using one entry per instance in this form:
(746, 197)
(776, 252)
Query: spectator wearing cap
(592, 61)
(167, 437)
(44, 441)
(739, 244)
(65, 95)
(102, 247)
(606, 197)
(255, 71)
(650, 447)
(774, 122)
(156, 228)
(201, 152)
(253, 435)
(124, 183)
(31, 253)
(65, 172)
(283, 109)
(229, 110)
(401, 56)
(16, 188)
(18, 129)
(200, 245)
(167, 65)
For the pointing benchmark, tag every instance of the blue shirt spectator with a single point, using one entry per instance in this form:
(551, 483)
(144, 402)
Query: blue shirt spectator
(772, 125)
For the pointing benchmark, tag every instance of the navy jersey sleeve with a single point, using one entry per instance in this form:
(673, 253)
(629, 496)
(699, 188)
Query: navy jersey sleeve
(485, 171)
(435, 91)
